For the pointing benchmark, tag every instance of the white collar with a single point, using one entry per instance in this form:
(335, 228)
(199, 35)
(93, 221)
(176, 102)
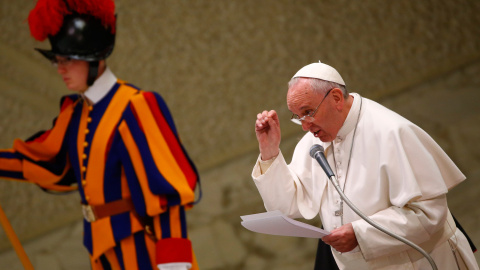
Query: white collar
(352, 117)
(101, 86)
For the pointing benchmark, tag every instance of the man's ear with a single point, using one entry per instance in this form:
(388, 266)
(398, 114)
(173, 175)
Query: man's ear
(102, 65)
(337, 95)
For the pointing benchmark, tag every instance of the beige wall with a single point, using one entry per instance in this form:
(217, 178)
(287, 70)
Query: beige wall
(219, 63)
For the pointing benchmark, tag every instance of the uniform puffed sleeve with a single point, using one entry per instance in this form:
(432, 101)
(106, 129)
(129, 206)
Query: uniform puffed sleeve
(42, 159)
(159, 172)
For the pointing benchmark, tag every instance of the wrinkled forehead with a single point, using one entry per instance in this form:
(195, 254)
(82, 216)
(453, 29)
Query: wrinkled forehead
(301, 96)
(302, 86)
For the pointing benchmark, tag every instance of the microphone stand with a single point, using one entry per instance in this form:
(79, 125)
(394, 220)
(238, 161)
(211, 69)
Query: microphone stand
(334, 181)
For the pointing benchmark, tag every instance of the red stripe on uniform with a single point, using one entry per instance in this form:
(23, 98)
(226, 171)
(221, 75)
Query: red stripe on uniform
(171, 250)
(171, 140)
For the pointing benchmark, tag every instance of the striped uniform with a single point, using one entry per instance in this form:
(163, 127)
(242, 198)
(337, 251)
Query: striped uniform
(124, 146)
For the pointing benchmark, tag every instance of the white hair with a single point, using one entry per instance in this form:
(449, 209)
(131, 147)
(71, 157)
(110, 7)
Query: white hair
(318, 85)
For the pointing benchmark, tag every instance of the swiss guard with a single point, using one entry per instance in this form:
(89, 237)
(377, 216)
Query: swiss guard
(113, 142)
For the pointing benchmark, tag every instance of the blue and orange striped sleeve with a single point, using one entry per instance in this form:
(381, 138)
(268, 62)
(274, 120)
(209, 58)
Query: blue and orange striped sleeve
(42, 159)
(161, 176)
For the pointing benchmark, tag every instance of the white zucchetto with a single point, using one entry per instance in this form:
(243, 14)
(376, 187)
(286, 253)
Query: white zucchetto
(320, 71)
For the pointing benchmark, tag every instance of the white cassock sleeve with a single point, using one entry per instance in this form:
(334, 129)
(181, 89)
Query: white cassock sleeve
(277, 182)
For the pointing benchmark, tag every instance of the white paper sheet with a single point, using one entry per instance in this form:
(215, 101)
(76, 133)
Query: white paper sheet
(276, 223)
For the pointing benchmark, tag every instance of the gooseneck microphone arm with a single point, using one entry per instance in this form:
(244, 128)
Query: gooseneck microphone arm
(317, 152)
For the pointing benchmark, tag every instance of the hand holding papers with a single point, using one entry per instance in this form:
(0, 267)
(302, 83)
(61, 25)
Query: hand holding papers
(275, 223)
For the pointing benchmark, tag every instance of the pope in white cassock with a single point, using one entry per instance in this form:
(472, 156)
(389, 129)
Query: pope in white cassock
(391, 169)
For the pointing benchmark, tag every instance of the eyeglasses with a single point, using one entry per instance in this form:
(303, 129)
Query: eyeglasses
(309, 117)
(63, 62)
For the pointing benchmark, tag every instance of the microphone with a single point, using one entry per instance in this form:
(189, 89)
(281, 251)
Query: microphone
(317, 152)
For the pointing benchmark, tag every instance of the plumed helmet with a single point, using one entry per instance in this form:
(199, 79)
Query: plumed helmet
(81, 37)
(79, 29)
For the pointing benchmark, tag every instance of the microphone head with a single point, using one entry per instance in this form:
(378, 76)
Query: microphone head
(316, 148)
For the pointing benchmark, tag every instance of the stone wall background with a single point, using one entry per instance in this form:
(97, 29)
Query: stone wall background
(217, 64)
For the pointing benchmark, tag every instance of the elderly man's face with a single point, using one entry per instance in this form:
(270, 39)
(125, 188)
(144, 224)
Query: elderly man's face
(302, 100)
